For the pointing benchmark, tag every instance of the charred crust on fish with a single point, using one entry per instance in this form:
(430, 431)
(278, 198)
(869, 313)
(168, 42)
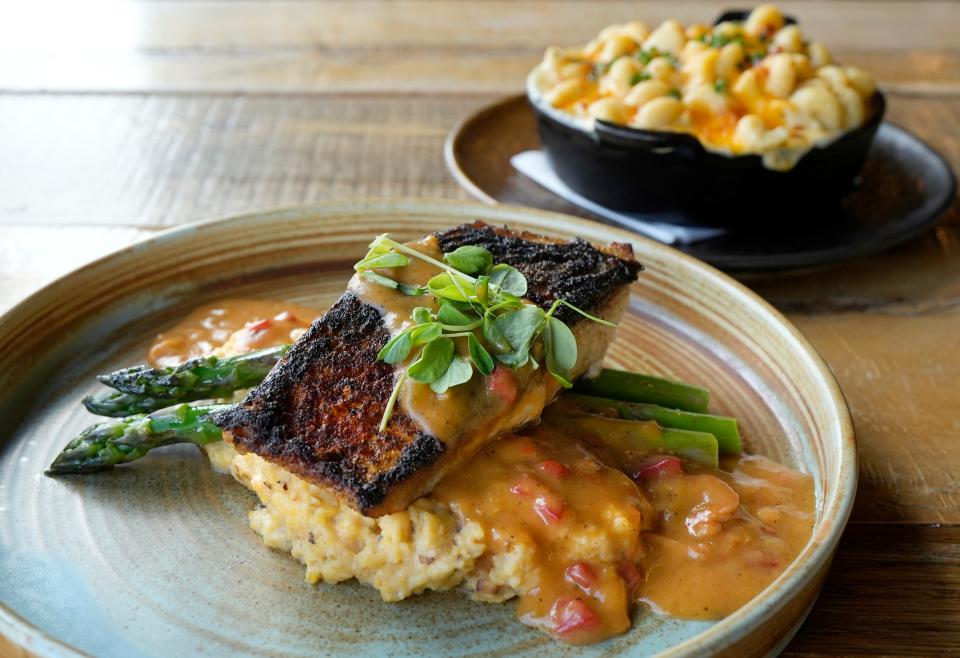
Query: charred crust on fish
(317, 412)
(575, 271)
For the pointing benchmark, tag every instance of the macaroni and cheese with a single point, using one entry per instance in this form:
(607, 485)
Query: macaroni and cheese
(755, 86)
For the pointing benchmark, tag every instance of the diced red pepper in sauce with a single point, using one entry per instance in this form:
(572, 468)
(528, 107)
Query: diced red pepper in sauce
(569, 615)
(604, 540)
(658, 466)
(581, 575)
(235, 324)
(554, 468)
(549, 511)
(526, 447)
(503, 384)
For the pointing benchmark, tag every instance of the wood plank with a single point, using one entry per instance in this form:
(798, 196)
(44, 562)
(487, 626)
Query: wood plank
(153, 161)
(437, 73)
(892, 591)
(160, 161)
(899, 375)
(406, 46)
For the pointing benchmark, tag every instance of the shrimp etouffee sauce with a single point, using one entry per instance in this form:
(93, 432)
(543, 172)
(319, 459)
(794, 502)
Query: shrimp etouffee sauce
(579, 535)
(687, 540)
(230, 326)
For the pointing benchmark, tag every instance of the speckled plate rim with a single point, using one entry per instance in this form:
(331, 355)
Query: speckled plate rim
(19, 634)
(736, 264)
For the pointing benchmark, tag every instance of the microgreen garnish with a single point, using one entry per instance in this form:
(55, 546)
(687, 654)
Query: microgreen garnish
(480, 356)
(413, 291)
(508, 279)
(477, 301)
(470, 259)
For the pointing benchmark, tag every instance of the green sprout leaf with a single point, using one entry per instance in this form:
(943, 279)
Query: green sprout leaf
(434, 360)
(397, 348)
(381, 244)
(465, 307)
(424, 333)
(458, 372)
(451, 316)
(412, 291)
(519, 327)
(380, 261)
(392, 401)
(561, 348)
(594, 318)
(406, 289)
(380, 279)
(483, 289)
(421, 315)
(493, 335)
(469, 259)
(508, 279)
(480, 357)
(449, 286)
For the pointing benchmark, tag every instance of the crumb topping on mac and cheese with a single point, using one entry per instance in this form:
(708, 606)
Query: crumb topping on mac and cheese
(748, 87)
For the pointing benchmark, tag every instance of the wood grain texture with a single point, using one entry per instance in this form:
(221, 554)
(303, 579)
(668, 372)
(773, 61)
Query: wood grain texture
(438, 46)
(153, 161)
(899, 375)
(892, 591)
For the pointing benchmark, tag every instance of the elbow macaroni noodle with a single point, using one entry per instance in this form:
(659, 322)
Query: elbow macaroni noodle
(750, 87)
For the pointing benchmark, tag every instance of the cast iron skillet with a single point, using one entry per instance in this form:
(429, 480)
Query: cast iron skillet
(652, 171)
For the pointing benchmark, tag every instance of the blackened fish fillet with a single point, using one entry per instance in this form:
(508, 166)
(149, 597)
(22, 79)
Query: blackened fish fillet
(317, 413)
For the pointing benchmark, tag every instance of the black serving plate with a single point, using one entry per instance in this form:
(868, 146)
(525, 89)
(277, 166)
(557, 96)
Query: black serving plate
(902, 190)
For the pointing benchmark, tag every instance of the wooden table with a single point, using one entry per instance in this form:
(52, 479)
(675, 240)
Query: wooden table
(117, 121)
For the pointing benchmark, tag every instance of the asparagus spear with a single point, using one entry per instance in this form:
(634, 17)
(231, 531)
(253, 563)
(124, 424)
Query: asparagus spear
(632, 437)
(723, 428)
(143, 389)
(117, 405)
(633, 387)
(113, 442)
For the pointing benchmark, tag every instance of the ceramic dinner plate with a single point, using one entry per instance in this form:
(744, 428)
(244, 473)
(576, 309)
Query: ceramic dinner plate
(904, 188)
(156, 558)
